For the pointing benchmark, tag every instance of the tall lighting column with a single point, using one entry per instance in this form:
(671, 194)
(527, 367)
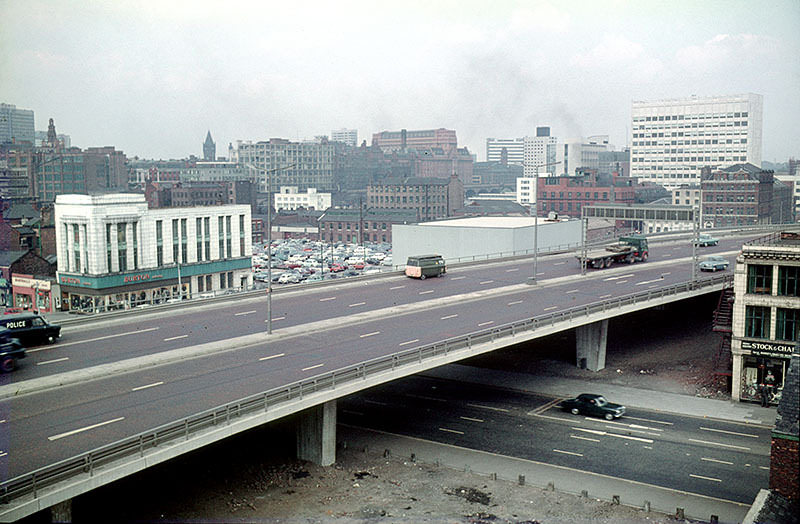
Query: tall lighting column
(535, 207)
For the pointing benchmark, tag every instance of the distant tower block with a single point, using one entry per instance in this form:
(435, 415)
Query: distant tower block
(209, 149)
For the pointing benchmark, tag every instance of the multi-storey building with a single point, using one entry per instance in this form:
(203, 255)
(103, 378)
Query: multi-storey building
(505, 150)
(440, 163)
(428, 198)
(539, 152)
(345, 136)
(494, 175)
(743, 194)
(618, 162)
(766, 313)
(211, 172)
(672, 140)
(368, 225)
(392, 141)
(290, 198)
(75, 171)
(686, 195)
(16, 125)
(115, 253)
(568, 194)
(301, 164)
(580, 153)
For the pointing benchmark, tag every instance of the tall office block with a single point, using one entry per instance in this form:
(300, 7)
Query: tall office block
(16, 125)
(346, 136)
(505, 150)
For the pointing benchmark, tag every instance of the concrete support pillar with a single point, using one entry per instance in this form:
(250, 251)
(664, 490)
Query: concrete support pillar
(590, 342)
(61, 512)
(316, 434)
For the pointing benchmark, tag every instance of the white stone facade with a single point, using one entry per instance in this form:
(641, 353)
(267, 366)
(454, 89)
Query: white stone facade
(540, 155)
(290, 198)
(515, 149)
(344, 135)
(672, 140)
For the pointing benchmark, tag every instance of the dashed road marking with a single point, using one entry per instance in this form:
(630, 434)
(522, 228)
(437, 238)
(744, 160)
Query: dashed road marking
(503, 410)
(451, 431)
(729, 432)
(486, 323)
(449, 316)
(487, 282)
(244, 313)
(568, 453)
(137, 332)
(312, 367)
(407, 342)
(272, 356)
(396, 287)
(550, 308)
(52, 361)
(515, 302)
(584, 438)
(365, 335)
(458, 278)
(571, 291)
(512, 270)
(327, 299)
(717, 461)
(718, 444)
(426, 292)
(87, 428)
(357, 304)
(473, 419)
(559, 263)
(619, 277)
(704, 478)
(175, 338)
(154, 384)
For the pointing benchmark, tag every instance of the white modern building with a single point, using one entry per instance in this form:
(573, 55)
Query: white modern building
(347, 136)
(512, 148)
(539, 153)
(115, 253)
(580, 153)
(290, 198)
(526, 190)
(672, 140)
(16, 125)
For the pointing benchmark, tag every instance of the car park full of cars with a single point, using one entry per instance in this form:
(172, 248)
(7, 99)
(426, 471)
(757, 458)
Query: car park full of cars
(593, 405)
(713, 263)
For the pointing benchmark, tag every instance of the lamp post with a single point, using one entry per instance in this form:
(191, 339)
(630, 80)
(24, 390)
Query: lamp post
(269, 172)
(532, 280)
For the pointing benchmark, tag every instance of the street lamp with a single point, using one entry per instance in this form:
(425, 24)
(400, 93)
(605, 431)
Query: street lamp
(269, 172)
(535, 208)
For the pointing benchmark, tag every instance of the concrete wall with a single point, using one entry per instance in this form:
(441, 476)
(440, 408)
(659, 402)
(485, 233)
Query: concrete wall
(453, 240)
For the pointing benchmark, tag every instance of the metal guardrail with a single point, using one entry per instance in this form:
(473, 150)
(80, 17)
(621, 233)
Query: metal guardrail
(137, 445)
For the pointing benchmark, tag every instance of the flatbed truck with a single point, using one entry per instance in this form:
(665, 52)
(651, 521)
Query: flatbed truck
(627, 250)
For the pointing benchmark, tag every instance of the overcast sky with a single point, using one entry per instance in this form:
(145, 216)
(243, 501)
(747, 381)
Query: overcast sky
(152, 77)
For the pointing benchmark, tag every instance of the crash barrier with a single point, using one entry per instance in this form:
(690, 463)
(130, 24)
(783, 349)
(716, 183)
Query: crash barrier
(136, 446)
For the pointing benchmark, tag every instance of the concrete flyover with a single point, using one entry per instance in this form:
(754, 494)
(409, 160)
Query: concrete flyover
(314, 397)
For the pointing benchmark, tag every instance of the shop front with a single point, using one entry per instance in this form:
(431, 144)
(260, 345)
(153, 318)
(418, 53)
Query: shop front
(32, 294)
(766, 364)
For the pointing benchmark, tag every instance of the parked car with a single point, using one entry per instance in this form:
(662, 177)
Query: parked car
(713, 263)
(707, 240)
(594, 405)
(11, 350)
(30, 328)
(289, 278)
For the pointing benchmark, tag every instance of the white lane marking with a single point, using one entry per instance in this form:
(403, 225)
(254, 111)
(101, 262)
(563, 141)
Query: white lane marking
(326, 299)
(571, 291)
(52, 361)
(568, 453)
(650, 420)
(641, 431)
(512, 270)
(607, 434)
(606, 296)
(584, 438)
(154, 384)
(423, 397)
(368, 401)
(429, 291)
(704, 478)
(643, 282)
(137, 332)
(667, 273)
(357, 304)
(473, 419)
(273, 356)
(570, 420)
(651, 287)
(488, 407)
(515, 302)
(349, 412)
(486, 282)
(396, 287)
(3, 454)
(276, 318)
(622, 282)
(717, 461)
(458, 278)
(3, 421)
(730, 432)
(312, 367)
(175, 338)
(407, 342)
(449, 316)
(365, 335)
(87, 428)
(762, 467)
(551, 307)
(718, 444)
(244, 313)
(666, 256)
(647, 447)
(619, 277)
(626, 425)
(451, 431)
(559, 263)
(486, 323)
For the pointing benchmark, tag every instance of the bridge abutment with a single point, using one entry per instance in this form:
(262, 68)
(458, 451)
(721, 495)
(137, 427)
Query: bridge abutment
(61, 513)
(590, 345)
(316, 434)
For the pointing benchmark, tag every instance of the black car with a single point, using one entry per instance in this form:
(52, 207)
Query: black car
(10, 351)
(30, 328)
(595, 405)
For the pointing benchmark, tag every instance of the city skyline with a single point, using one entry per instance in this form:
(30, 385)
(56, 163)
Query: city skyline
(152, 79)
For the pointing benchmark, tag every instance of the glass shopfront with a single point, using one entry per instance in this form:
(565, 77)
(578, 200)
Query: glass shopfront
(765, 359)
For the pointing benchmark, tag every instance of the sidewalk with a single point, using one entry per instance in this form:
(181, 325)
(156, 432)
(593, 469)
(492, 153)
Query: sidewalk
(632, 397)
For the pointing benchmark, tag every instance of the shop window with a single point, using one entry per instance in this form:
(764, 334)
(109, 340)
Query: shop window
(789, 281)
(786, 321)
(222, 281)
(759, 279)
(756, 321)
(230, 279)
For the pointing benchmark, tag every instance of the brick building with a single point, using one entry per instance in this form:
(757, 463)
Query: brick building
(428, 198)
(568, 194)
(352, 225)
(744, 194)
(391, 141)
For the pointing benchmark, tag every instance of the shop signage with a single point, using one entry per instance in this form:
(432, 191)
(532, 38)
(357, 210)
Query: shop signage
(768, 349)
(31, 283)
(137, 278)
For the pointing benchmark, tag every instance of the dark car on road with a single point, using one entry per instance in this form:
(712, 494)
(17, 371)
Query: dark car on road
(594, 405)
(10, 351)
(30, 328)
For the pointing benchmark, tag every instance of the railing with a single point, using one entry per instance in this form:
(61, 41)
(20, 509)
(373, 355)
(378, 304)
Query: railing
(137, 445)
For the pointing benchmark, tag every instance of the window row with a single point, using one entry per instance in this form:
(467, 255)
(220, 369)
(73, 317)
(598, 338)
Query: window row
(758, 323)
(760, 276)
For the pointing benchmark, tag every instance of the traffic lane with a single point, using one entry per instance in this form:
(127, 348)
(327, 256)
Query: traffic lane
(580, 445)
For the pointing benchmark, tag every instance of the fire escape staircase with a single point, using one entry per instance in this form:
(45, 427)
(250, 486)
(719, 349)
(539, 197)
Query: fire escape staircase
(723, 324)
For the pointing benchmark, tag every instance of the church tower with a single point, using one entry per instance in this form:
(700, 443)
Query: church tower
(209, 149)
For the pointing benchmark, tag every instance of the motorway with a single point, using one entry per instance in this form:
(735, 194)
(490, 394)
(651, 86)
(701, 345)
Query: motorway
(705, 456)
(41, 428)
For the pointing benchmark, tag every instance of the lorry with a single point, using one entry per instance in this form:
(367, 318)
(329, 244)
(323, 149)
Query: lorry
(627, 250)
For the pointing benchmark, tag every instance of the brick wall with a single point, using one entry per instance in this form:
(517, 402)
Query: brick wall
(783, 473)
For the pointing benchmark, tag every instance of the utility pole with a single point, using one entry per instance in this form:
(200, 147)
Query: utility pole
(535, 208)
